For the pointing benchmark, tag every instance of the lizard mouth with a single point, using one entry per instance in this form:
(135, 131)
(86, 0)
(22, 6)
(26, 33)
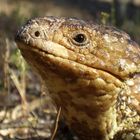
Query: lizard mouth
(64, 65)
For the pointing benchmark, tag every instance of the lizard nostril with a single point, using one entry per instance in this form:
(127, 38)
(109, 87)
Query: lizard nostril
(37, 33)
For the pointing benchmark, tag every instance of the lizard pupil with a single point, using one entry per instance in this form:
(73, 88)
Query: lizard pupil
(80, 38)
(37, 33)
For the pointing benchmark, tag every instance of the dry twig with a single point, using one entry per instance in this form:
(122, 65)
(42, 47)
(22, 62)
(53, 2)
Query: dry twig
(6, 67)
(56, 124)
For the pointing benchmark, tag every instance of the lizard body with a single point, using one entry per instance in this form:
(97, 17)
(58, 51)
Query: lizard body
(91, 71)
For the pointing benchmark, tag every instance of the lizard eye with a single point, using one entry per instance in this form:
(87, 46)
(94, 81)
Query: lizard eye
(80, 39)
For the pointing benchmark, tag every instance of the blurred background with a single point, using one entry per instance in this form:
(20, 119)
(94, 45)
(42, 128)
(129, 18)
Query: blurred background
(19, 85)
(123, 13)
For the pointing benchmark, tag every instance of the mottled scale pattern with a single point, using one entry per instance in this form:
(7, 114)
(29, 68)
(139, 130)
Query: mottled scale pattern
(91, 71)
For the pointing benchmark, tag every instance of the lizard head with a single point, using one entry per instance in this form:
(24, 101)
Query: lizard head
(75, 49)
(94, 62)
(95, 46)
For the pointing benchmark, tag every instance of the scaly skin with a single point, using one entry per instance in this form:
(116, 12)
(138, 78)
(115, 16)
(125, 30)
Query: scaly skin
(92, 71)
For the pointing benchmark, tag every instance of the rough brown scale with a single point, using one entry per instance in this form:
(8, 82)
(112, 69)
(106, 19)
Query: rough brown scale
(92, 71)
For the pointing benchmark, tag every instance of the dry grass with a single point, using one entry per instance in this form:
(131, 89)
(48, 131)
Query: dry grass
(24, 117)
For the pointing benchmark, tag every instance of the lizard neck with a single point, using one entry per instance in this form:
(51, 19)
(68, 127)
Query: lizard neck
(104, 114)
(128, 109)
(98, 115)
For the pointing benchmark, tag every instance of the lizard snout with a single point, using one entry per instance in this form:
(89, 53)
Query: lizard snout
(22, 36)
(30, 35)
